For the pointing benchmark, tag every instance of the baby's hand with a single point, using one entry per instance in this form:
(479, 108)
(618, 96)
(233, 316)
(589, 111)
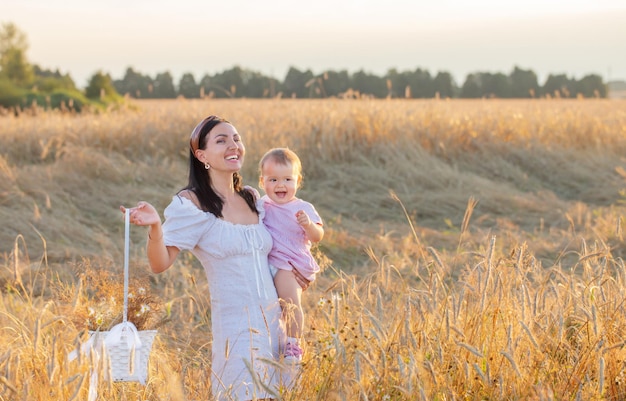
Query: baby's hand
(303, 218)
(314, 232)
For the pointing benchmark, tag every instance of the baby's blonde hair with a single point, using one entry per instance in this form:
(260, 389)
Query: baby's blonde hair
(284, 156)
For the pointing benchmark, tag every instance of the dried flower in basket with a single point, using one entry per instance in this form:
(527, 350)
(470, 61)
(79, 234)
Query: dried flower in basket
(99, 298)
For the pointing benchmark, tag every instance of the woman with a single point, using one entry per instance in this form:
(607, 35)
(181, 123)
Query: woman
(220, 222)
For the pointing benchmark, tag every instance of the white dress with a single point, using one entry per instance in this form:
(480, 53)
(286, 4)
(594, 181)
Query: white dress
(245, 313)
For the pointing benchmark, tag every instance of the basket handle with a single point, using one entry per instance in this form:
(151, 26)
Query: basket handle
(126, 251)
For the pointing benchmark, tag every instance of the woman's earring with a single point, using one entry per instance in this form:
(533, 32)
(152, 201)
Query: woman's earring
(207, 166)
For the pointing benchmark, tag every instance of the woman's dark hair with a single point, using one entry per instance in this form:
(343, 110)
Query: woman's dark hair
(200, 180)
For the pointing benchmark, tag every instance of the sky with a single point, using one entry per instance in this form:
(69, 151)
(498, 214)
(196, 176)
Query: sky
(82, 37)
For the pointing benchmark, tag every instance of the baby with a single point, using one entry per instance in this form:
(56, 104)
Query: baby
(294, 225)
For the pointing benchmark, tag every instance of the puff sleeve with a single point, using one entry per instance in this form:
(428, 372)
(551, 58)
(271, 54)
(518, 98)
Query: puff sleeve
(184, 223)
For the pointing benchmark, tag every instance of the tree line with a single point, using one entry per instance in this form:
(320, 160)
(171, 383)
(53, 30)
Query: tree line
(419, 84)
(23, 84)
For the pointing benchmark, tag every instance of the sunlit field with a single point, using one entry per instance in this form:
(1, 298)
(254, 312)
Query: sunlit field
(474, 249)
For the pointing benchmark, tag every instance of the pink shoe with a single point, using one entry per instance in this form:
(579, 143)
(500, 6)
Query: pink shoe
(293, 353)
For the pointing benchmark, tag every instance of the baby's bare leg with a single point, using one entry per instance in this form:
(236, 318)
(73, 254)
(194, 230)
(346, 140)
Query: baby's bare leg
(290, 294)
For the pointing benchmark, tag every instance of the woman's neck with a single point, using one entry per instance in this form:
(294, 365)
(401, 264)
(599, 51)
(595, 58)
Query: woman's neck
(223, 184)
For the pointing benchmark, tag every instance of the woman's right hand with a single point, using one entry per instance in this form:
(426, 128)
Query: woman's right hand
(144, 214)
(300, 279)
(160, 256)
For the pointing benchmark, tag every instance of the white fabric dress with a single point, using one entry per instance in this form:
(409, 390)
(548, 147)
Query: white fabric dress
(245, 313)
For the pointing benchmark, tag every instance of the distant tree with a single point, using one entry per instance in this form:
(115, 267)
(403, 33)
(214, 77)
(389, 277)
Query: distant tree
(134, 84)
(232, 80)
(591, 86)
(523, 83)
(400, 81)
(486, 83)
(472, 87)
(369, 84)
(227, 83)
(558, 86)
(421, 84)
(46, 73)
(187, 86)
(10, 94)
(205, 86)
(13, 63)
(336, 83)
(495, 85)
(101, 87)
(295, 82)
(163, 87)
(414, 84)
(315, 87)
(48, 80)
(257, 85)
(443, 84)
(274, 87)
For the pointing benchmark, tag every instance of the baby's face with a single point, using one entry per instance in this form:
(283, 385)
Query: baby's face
(279, 181)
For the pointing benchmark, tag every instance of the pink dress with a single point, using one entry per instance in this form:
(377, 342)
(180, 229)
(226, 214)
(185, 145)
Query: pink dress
(291, 246)
(245, 314)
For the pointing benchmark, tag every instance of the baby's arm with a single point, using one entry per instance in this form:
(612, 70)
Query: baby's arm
(314, 232)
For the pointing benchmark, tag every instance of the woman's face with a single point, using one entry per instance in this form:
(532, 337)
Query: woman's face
(224, 149)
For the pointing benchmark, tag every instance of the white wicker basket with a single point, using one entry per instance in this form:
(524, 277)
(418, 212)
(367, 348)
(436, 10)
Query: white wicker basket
(128, 363)
(127, 349)
(120, 354)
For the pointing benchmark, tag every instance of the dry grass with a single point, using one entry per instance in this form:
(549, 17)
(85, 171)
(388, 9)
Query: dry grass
(474, 249)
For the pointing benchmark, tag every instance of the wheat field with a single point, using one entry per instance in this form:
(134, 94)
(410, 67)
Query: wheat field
(474, 249)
